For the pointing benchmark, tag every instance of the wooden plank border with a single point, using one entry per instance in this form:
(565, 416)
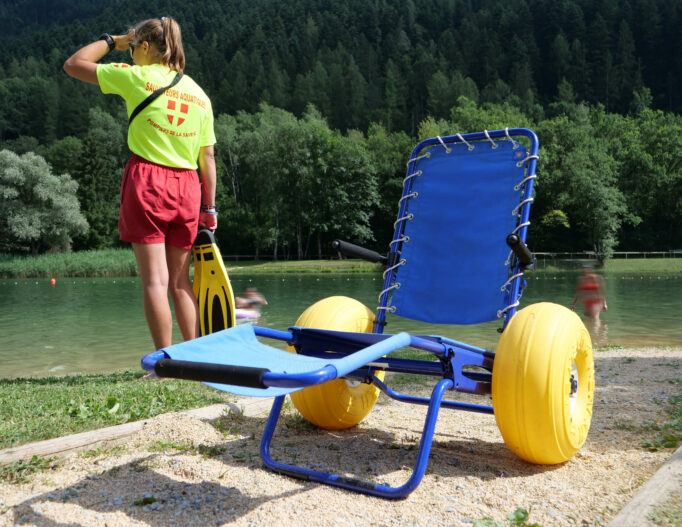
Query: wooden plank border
(249, 406)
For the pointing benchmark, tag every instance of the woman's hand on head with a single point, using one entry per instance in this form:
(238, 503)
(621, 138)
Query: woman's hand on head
(82, 65)
(123, 41)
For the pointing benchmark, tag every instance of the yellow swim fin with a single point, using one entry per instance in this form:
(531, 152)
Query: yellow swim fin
(212, 287)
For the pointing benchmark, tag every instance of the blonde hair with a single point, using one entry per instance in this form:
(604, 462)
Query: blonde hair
(165, 35)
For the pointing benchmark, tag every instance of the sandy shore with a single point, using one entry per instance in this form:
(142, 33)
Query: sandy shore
(180, 470)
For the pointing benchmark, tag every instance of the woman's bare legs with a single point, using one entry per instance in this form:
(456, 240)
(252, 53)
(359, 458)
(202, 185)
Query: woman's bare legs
(151, 263)
(186, 308)
(163, 268)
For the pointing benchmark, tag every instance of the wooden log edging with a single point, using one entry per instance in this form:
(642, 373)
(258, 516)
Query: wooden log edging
(654, 492)
(249, 406)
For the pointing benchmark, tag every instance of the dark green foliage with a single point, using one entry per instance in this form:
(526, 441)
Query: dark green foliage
(356, 60)
(321, 102)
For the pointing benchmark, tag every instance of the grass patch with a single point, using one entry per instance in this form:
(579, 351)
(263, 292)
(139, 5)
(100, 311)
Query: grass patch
(102, 262)
(98, 451)
(121, 262)
(230, 422)
(669, 512)
(163, 445)
(644, 265)
(665, 433)
(669, 432)
(616, 265)
(21, 471)
(147, 500)
(405, 380)
(210, 450)
(37, 409)
(296, 421)
(303, 266)
(518, 518)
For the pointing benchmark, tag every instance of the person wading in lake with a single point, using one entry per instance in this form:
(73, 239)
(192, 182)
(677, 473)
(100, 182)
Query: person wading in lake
(591, 291)
(161, 198)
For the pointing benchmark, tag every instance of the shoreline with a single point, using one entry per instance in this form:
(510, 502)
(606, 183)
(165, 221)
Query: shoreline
(99, 264)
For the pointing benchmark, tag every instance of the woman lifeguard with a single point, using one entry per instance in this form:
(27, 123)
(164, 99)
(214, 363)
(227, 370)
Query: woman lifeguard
(170, 138)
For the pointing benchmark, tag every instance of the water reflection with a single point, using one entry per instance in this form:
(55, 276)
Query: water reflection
(599, 331)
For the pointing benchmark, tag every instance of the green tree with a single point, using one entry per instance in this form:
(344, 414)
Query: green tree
(649, 151)
(579, 178)
(464, 87)
(441, 94)
(641, 100)
(41, 119)
(23, 144)
(234, 91)
(99, 173)
(496, 92)
(626, 71)
(468, 117)
(395, 96)
(356, 92)
(560, 58)
(38, 209)
(15, 108)
(390, 154)
(65, 154)
(348, 191)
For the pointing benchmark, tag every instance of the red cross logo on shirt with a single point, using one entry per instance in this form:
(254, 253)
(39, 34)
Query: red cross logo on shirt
(184, 108)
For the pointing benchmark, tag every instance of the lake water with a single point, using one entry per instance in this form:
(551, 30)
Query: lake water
(97, 324)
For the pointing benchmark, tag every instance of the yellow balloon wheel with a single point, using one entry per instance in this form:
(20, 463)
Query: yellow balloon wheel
(340, 403)
(543, 383)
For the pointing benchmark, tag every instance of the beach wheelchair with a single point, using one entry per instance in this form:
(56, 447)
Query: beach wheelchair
(457, 257)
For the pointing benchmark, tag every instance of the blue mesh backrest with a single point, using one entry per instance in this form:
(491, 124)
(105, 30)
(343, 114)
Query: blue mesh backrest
(456, 259)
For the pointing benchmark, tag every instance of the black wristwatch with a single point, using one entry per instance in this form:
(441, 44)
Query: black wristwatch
(107, 38)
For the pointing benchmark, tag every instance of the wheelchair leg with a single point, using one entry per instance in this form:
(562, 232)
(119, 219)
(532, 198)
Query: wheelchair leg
(358, 485)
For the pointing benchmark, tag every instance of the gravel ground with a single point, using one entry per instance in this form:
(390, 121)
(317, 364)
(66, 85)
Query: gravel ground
(181, 470)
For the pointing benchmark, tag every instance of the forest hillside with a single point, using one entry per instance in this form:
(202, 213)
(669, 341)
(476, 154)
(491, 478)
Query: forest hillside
(347, 88)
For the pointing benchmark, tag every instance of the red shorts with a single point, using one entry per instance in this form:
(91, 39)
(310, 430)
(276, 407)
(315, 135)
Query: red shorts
(159, 204)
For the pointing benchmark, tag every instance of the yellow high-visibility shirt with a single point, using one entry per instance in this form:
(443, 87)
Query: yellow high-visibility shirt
(172, 129)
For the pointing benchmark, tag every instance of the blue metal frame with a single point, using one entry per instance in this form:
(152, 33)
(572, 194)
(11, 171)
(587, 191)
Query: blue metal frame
(454, 357)
(358, 485)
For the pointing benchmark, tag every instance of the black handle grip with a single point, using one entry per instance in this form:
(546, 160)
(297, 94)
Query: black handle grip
(204, 237)
(355, 251)
(206, 372)
(520, 249)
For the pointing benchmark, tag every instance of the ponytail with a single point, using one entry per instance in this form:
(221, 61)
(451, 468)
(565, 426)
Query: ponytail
(165, 35)
(174, 55)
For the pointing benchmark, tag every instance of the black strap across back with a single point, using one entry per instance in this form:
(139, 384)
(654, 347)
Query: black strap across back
(152, 97)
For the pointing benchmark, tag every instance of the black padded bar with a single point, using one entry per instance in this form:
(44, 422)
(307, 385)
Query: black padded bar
(207, 372)
(520, 249)
(355, 251)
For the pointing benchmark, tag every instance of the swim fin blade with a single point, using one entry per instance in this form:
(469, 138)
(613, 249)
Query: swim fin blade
(211, 286)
